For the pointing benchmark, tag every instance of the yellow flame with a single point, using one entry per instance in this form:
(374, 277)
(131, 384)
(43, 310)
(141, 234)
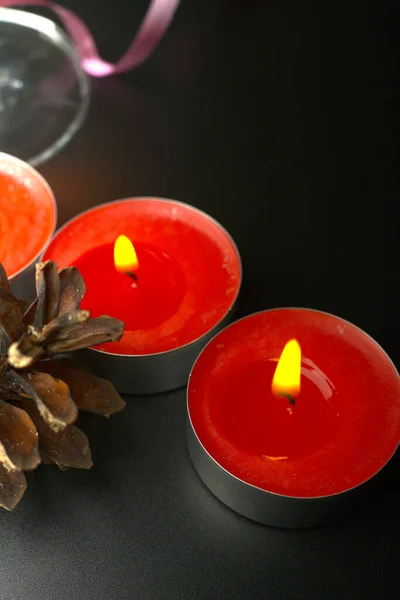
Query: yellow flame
(125, 258)
(286, 379)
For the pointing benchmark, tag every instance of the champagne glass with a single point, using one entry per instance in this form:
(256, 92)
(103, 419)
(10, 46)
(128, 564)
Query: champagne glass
(44, 92)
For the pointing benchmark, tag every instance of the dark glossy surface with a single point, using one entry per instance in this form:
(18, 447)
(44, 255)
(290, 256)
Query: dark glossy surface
(279, 119)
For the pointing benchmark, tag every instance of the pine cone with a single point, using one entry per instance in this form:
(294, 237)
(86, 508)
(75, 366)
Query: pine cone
(38, 405)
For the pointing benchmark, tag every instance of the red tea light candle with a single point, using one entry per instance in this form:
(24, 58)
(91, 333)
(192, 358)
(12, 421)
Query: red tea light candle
(291, 412)
(166, 269)
(27, 220)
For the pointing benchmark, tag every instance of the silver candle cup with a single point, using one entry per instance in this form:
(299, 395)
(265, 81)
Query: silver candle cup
(259, 504)
(23, 282)
(167, 370)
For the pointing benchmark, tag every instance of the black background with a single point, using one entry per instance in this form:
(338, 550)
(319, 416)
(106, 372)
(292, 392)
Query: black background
(280, 119)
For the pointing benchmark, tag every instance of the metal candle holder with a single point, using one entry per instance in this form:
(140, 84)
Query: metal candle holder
(163, 371)
(214, 461)
(151, 373)
(266, 507)
(23, 282)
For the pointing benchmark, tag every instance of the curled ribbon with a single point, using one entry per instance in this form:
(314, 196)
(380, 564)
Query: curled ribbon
(154, 25)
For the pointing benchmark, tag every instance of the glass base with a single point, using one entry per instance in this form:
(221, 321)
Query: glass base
(44, 92)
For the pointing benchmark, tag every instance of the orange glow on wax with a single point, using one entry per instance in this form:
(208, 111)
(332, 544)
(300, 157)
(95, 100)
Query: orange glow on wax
(286, 379)
(125, 257)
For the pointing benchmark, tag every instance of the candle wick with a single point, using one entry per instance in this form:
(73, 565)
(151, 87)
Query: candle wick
(131, 275)
(288, 396)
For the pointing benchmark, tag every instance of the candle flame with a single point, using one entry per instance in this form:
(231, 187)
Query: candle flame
(125, 258)
(286, 379)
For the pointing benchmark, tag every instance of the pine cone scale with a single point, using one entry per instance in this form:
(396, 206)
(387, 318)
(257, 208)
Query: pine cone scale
(51, 396)
(82, 335)
(72, 288)
(12, 488)
(4, 283)
(10, 314)
(48, 293)
(18, 439)
(67, 448)
(90, 393)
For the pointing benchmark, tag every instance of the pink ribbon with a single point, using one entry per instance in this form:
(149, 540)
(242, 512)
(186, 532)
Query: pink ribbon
(154, 25)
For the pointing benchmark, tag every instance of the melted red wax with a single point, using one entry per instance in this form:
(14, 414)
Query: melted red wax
(188, 278)
(343, 428)
(260, 423)
(27, 219)
(144, 301)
